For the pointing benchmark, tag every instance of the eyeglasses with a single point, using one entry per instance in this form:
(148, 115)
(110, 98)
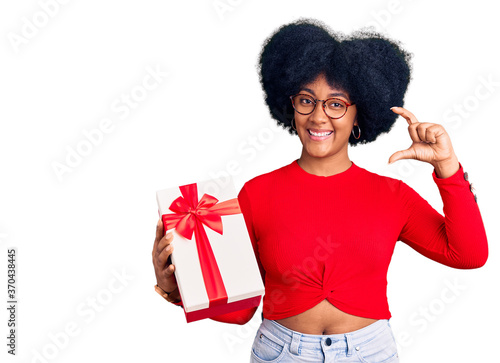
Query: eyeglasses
(333, 107)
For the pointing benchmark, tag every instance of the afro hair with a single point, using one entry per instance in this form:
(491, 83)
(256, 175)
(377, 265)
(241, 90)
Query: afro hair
(374, 70)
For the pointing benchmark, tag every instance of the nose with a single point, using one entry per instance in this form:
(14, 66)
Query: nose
(319, 115)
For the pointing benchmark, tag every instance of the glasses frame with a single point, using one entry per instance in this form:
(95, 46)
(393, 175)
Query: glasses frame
(324, 102)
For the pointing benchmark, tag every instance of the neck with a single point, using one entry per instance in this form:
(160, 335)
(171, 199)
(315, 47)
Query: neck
(325, 166)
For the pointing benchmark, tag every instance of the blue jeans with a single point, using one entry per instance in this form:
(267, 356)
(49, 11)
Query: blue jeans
(374, 343)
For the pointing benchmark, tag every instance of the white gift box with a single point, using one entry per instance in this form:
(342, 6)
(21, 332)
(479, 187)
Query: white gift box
(232, 250)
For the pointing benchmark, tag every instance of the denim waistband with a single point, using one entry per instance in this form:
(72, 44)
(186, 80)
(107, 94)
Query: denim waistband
(347, 341)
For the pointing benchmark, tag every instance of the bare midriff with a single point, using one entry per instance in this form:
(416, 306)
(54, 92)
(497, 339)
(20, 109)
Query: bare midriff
(325, 319)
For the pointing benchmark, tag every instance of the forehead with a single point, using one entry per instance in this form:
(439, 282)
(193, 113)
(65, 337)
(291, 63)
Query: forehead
(320, 85)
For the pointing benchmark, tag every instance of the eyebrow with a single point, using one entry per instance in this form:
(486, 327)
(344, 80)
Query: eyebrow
(335, 94)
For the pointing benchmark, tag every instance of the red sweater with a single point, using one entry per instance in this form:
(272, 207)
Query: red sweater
(333, 237)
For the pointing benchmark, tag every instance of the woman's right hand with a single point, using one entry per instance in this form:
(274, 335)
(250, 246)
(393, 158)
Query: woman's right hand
(164, 270)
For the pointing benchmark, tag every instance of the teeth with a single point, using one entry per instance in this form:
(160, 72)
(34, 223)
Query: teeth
(320, 133)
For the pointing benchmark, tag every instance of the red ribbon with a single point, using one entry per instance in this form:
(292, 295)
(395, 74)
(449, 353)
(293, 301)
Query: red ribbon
(188, 217)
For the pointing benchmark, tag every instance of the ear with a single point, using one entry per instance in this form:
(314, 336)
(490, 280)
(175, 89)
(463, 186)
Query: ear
(356, 120)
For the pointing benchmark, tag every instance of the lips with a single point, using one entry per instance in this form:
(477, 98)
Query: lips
(319, 135)
(319, 132)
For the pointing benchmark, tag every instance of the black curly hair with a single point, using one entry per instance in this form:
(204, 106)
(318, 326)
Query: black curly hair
(373, 69)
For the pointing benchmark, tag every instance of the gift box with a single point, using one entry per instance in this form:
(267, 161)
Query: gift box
(215, 265)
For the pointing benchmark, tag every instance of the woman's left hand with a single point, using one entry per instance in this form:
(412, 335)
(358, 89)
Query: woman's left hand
(431, 143)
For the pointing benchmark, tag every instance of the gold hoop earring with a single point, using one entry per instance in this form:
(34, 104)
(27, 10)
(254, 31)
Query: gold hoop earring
(359, 132)
(293, 127)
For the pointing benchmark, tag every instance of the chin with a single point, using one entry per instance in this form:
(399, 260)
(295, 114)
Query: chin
(322, 152)
(319, 154)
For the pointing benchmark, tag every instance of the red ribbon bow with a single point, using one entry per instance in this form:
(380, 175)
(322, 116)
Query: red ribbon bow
(188, 217)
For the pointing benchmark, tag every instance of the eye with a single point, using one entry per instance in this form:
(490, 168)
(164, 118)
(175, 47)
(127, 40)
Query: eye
(336, 104)
(304, 100)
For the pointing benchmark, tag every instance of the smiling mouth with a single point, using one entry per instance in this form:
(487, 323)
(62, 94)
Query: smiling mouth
(319, 134)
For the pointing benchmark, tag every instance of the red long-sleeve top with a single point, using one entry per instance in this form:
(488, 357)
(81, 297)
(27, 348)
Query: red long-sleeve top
(333, 237)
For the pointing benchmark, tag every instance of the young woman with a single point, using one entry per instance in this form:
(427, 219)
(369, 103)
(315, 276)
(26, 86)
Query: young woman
(324, 229)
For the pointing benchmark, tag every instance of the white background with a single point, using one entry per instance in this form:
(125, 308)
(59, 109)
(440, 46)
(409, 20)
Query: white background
(75, 233)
